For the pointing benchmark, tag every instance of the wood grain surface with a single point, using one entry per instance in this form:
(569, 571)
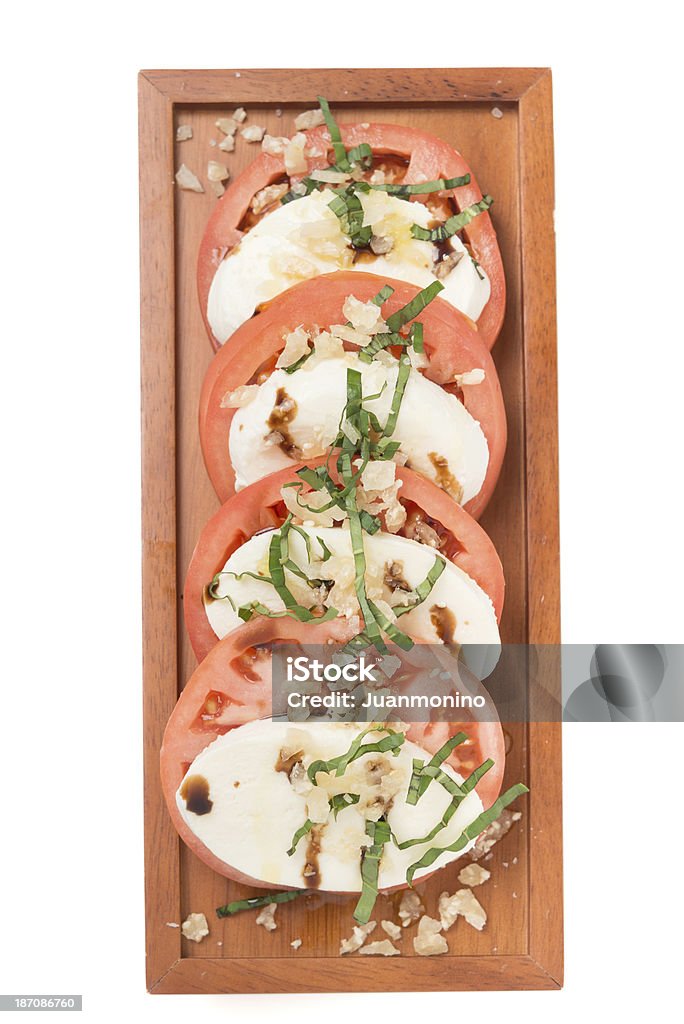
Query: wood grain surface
(512, 156)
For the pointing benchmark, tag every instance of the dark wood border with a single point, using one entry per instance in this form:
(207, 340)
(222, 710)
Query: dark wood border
(530, 88)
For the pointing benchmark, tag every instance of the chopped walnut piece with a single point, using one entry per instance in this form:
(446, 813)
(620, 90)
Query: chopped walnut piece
(381, 244)
(410, 908)
(183, 133)
(429, 941)
(252, 133)
(187, 180)
(378, 475)
(393, 930)
(473, 874)
(444, 267)
(217, 187)
(266, 917)
(239, 115)
(296, 943)
(228, 144)
(217, 171)
(227, 125)
(309, 119)
(382, 948)
(493, 833)
(464, 903)
(359, 935)
(274, 145)
(195, 927)
(267, 196)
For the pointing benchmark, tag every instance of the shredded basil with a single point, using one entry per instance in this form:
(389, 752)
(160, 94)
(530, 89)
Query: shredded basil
(471, 831)
(341, 158)
(424, 187)
(422, 591)
(259, 901)
(391, 742)
(379, 832)
(453, 224)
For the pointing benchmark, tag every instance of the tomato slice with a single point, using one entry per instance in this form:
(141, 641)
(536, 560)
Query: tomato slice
(428, 158)
(233, 686)
(451, 344)
(260, 506)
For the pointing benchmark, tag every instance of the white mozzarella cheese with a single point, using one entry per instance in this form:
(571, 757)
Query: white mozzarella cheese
(474, 620)
(255, 810)
(303, 239)
(432, 425)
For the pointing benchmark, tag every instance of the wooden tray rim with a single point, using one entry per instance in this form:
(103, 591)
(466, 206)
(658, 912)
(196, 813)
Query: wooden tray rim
(529, 88)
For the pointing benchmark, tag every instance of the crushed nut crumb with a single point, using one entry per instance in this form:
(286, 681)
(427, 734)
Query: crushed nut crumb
(493, 833)
(183, 133)
(309, 119)
(296, 943)
(266, 917)
(227, 125)
(185, 179)
(195, 927)
(464, 903)
(218, 188)
(429, 941)
(498, 114)
(356, 940)
(473, 874)
(382, 948)
(252, 133)
(392, 929)
(239, 115)
(228, 144)
(410, 908)
(217, 171)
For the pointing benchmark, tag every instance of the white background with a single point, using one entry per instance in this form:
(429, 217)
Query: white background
(71, 914)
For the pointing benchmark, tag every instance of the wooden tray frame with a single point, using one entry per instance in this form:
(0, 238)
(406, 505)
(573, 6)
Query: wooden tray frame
(159, 91)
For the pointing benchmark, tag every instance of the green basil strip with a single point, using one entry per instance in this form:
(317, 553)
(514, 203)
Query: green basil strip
(247, 611)
(259, 901)
(416, 337)
(362, 155)
(417, 304)
(385, 293)
(424, 187)
(418, 786)
(212, 589)
(459, 794)
(453, 224)
(399, 388)
(341, 158)
(299, 834)
(327, 553)
(388, 627)
(379, 832)
(293, 367)
(423, 589)
(342, 800)
(348, 209)
(390, 743)
(469, 833)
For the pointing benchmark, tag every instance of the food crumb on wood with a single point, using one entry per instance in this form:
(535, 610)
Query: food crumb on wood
(429, 941)
(410, 907)
(239, 114)
(473, 874)
(462, 902)
(274, 145)
(252, 133)
(392, 929)
(227, 125)
(309, 119)
(183, 133)
(185, 179)
(498, 114)
(382, 948)
(195, 927)
(296, 943)
(227, 145)
(172, 924)
(493, 833)
(278, 112)
(356, 940)
(217, 187)
(266, 917)
(217, 171)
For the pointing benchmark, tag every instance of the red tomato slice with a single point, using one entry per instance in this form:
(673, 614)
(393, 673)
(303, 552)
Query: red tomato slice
(233, 686)
(260, 506)
(451, 344)
(428, 158)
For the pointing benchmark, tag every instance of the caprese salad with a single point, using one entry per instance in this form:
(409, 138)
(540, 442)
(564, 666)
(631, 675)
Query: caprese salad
(352, 424)
(277, 393)
(380, 198)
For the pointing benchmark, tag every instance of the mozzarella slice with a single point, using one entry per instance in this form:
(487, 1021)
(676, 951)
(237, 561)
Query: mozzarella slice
(457, 609)
(256, 809)
(303, 239)
(438, 436)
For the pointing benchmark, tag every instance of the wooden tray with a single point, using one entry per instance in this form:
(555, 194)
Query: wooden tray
(512, 156)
